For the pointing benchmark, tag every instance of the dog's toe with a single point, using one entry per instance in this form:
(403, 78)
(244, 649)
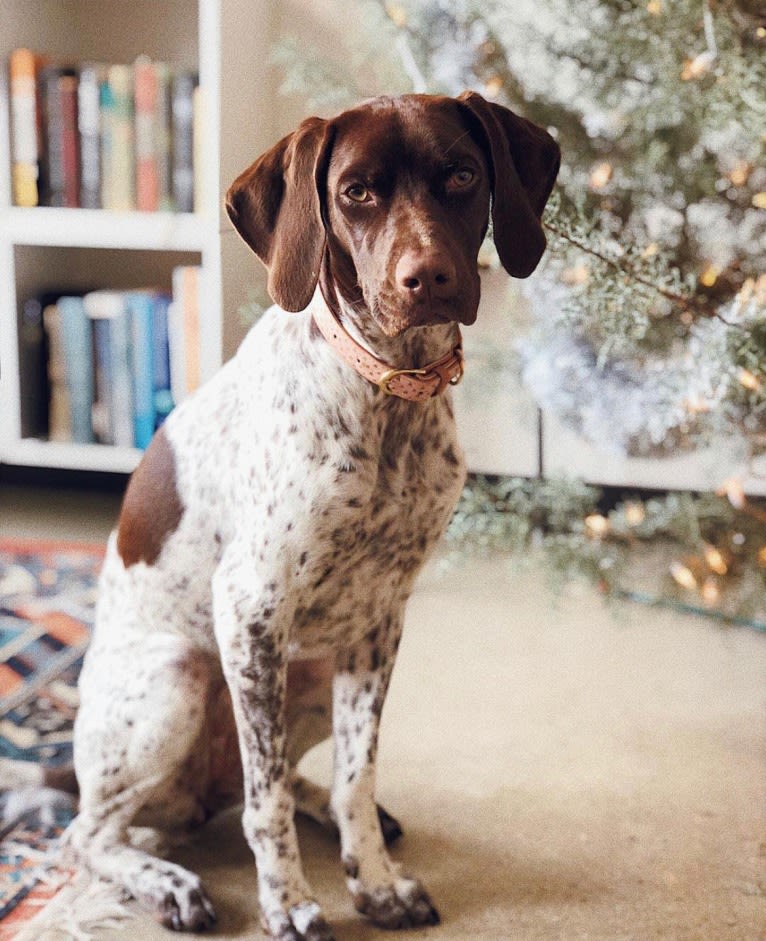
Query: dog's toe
(302, 922)
(405, 904)
(185, 907)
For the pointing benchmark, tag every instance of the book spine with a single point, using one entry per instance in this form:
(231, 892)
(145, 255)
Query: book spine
(110, 307)
(52, 181)
(70, 157)
(118, 157)
(122, 382)
(33, 377)
(186, 330)
(198, 147)
(163, 120)
(103, 420)
(77, 343)
(25, 153)
(147, 170)
(163, 397)
(183, 141)
(140, 307)
(89, 126)
(59, 405)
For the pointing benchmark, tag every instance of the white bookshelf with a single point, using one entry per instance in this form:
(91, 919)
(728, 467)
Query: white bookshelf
(45, 248)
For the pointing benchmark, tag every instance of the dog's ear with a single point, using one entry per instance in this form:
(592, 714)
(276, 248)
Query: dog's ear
(276, 206)
(525, 162)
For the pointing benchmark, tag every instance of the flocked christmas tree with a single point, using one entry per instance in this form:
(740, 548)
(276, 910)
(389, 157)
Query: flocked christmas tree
(650, 309)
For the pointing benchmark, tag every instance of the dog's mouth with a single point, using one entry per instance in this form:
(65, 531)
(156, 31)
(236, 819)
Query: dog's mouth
(395, 320)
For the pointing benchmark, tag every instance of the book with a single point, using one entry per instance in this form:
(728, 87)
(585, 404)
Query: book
(163, 396)
(33, 367)
(199, 137)
(184, 329)
(183, 85)
(118, 162)
(163, 123)
(23, 68)
(59, 404)
(77, 344)
(114, 396)
(146, 92)
(60, 162)
(140, 308)
(89, 126)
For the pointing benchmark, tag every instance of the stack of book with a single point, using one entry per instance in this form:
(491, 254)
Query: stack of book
(97, 136)
(108, 366)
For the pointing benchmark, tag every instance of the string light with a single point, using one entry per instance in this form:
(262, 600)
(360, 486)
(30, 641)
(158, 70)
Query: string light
(600, 175)
(715, 560)
(683, 576)
(597, 525)
(749, 380)
(734, 492)
(579, 274)
(493, 86)
(635, 514)
(709, 276)
(699, 66)
(397, 14)
(711, 593)
(740, 174)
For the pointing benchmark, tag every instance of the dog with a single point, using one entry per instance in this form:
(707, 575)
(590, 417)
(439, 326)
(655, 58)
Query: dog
(252, 597)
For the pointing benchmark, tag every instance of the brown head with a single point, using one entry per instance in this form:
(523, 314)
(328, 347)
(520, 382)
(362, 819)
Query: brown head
(389, 202)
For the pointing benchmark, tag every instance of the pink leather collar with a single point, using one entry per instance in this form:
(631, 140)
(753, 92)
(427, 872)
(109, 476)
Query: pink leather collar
(415, 385)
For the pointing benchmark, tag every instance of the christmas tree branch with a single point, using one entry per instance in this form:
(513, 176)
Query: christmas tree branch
(689, 304)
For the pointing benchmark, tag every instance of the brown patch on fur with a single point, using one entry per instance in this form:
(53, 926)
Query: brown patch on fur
(61, 779)
(152, 508)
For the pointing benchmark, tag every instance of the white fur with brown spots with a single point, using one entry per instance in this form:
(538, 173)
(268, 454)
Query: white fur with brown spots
(252, 598)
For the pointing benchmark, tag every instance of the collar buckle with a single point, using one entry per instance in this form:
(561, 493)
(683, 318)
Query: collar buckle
(390, 374)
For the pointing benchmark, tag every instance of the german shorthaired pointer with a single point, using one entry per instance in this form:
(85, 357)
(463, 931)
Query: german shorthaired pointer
(252, 598)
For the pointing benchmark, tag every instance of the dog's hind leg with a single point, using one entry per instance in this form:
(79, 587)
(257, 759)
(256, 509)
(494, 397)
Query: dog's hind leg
(134, 752)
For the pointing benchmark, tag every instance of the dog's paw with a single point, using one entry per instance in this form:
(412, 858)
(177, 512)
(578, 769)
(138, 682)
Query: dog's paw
(182, 904)
(403, 904)
(302, 922)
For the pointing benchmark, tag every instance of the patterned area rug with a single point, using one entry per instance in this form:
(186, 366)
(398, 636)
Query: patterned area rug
(47, 595)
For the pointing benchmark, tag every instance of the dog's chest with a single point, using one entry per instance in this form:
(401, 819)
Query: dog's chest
(384, 505)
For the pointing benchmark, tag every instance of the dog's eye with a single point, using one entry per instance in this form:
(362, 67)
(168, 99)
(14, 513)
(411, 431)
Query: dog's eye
(460, 177)
(357, 193)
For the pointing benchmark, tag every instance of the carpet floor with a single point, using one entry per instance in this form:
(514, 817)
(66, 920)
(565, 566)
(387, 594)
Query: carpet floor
(562, 770)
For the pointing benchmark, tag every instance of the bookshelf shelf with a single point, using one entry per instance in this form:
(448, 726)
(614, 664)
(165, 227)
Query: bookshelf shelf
(100, 228)
(44, 249)
(29, 452)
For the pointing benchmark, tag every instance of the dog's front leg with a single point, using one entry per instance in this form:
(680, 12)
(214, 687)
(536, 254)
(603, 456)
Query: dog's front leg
(378, 888)
(252, 621)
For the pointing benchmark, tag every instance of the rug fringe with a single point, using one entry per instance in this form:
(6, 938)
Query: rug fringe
(82, 908)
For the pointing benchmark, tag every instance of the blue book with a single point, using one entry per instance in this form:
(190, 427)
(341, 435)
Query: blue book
(140, 307)
(77, 342)
(113, 366)
(103, 407)
(163, 397)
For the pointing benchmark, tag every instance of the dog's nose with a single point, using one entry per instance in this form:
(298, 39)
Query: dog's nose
(425, 273)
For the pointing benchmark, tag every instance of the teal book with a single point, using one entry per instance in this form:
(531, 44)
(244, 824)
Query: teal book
(140, 306)
(77, 342)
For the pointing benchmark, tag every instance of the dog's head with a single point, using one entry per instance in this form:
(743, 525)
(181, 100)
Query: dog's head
(391, 201)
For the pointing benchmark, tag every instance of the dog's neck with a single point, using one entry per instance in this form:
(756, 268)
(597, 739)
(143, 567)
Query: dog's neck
(412, 349)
